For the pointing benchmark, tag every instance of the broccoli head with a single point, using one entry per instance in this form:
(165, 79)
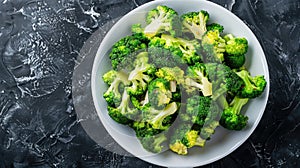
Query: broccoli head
(197, 79)
(124, 113)
(156, 116)
(211, 121)
(253, 86)
(137, 28)
(171, 74)
(236, 45)
(195, 22)
(116, 80)
(163, 56)
(159, 93)
(153, 143)
(162, 19)
(187, 49)
(183, 138)
(151, 139)
(141, 75)
(125, 47)
(235, 51)
(234, 61)
(197, 109)
(214, 46)
(224, 80)
(215, 26)
(232, 118)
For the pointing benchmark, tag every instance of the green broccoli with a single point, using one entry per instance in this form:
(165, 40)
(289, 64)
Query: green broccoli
(163, 56)
(236, 48)
(153, 143)
(183, 138)
(236, 45)
(159, 93)
(137, 28)
(232, 118)
(253, 86)
(160, 20)
(116, 81)
(214, 46)
(171, 74)
(197, 79)
(234, 61)
(187, 49)
(195, 22)
(155, 117)
(141, 75)
(209, 128)
(151, 139)
(125, 47)
(197, 109)
(224, 80)
(124, 114)
(215, 26)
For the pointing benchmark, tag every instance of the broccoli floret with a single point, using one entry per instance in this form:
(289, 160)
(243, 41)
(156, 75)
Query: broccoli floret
(197, 109)
(232, 118)
(124, 114)
(183, 138)
(163, 56)
(137, 28)
(215, 26)
(236, 45)
(192, 139)
(187, 49)
(253, 86)
(171, 74)
(209, 128)
(126, 46)
(162, 19)
(155, 117)
(195, 22)
(141, 75)
(151, 139)
(153, 143)
(224, 80)
(116, 80)
(235, 51)
(175, 76)
(159, 93)
(214, 46)
(197, 79)
(211, 121)
(234, 61)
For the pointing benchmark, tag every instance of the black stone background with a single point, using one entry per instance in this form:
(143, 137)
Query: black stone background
(40, 41)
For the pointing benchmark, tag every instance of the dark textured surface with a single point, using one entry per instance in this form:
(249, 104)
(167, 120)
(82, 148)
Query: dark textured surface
(40, 42)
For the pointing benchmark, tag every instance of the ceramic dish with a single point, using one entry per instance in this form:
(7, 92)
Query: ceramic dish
(223, 142)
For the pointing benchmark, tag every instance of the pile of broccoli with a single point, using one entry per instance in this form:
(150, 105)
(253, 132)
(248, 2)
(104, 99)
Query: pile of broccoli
(178, 78)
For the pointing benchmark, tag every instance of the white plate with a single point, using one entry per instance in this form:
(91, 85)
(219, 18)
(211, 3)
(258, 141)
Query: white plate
(223, 142)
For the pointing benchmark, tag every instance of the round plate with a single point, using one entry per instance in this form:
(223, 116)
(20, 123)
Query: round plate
(223, 142)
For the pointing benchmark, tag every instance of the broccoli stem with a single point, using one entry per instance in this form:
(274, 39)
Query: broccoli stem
(205, 87)
(124, 104)
(154, 26)
(222, 102)
(158, 142)
(173, 85)
(146, 100)
(160, 115)
(237, 104)
(198, 30)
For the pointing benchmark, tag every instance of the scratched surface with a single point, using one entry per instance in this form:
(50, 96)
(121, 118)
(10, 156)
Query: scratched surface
(40, 43)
